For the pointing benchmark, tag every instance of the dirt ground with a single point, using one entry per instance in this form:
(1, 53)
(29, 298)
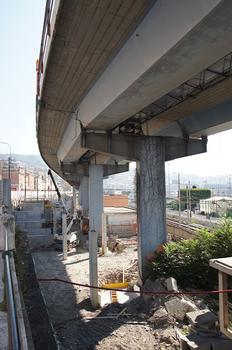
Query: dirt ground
(76, 324)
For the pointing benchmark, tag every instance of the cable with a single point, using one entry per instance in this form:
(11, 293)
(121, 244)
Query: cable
(204, 292)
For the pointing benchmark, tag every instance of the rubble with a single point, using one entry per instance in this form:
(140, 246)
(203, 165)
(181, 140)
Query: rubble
(179, 307)
(171, 284)
(161, 318)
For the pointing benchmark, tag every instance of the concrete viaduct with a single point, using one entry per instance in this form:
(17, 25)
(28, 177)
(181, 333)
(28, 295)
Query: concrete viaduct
(142, 80)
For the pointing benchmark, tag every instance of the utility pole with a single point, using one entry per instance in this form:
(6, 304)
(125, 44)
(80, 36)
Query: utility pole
(230, 194)
(179, 200)
(190, 204)
(37, 188)
(25, 184)
(187, 203)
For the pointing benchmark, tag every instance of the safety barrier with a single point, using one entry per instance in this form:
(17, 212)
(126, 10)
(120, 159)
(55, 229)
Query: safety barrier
(16, 330)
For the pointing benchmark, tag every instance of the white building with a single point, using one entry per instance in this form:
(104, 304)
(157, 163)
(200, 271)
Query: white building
(217, 206)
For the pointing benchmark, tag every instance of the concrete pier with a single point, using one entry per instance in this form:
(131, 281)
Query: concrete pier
(150, 198)
(95, 224)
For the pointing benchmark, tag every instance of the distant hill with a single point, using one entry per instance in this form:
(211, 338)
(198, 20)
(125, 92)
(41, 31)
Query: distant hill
(31, 160)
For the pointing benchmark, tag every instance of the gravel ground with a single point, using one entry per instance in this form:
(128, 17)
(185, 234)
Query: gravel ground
(76, 324)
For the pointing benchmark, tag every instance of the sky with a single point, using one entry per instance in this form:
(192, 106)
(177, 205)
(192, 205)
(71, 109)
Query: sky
(20, 30)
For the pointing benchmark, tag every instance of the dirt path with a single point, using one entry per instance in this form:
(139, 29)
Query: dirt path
(76, 324)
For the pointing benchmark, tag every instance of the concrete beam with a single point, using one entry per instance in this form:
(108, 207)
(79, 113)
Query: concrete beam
(203, 122)
(70, 169)
(128, 146)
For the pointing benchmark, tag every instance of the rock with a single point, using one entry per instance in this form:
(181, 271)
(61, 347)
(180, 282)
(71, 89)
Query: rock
(182, 340)
(160, 318)
(221, 343)
(178, 307)
(153, 286)
(204, 318)
(169, 337)
(171, 284)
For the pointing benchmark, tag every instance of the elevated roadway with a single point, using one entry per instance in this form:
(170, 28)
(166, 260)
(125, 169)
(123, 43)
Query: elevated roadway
(131, 80)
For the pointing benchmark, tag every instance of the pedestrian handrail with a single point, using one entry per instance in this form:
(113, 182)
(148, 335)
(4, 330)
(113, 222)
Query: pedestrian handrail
(16, 329)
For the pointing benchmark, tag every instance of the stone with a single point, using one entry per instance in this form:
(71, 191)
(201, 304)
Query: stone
(202, 318)
(171, 284)
(179, 307)
(160, 318)
(153, 286)
(183, 341)
(221, 343)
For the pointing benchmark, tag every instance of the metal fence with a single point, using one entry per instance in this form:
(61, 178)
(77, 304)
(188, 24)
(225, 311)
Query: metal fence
(7, 244)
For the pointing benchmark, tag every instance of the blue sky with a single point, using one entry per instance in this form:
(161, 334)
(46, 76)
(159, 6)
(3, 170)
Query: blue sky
(20, 29)
(20, 32)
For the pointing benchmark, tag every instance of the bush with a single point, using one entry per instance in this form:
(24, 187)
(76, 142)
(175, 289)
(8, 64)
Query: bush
(188, 260)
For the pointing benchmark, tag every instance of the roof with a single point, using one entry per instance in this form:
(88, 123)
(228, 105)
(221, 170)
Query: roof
(217, 199)
(118, 210)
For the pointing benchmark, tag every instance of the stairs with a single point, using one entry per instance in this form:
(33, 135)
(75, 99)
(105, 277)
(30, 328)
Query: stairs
(30, 219)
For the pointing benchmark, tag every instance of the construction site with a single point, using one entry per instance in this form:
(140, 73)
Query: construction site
(124, 267)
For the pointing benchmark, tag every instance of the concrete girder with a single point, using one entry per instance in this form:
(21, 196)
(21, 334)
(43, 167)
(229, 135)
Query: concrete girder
(70, 170)
(204, 122)
(128, 146)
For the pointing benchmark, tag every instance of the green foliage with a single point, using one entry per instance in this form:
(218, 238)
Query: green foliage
(196, 195)
(188, 260)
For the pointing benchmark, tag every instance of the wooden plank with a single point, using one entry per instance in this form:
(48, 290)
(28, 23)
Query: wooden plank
(223, 305)
(223, 265)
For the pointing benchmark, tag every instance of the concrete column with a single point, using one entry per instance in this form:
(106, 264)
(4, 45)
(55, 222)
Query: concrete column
(95, 218)
(85, 195)
(151, 201)
(7, 194)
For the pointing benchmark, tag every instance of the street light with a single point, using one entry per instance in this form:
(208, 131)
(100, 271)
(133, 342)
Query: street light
(9, 159)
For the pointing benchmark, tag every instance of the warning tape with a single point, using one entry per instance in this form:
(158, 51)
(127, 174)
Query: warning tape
(202, 292)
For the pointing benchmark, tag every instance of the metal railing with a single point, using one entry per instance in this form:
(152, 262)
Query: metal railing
(13, 330)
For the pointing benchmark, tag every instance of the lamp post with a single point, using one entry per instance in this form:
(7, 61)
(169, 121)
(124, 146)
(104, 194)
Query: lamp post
(9, 158)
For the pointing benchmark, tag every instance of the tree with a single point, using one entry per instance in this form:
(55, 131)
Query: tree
(196, 194)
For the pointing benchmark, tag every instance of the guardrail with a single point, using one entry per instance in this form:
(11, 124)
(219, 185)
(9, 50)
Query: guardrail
(16, 329)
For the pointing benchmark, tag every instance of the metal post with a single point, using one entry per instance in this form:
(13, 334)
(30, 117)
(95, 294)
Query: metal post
(190, 204)
(64, 235)
(25, 185)
(37, 188)
(74, 201)
(13, 333)
(179, 200)
(104, 234)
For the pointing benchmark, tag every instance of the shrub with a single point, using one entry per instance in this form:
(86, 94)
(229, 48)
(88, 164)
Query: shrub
(188, 260)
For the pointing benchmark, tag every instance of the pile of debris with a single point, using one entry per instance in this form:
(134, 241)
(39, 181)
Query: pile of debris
(179, 322)
(116, 245)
